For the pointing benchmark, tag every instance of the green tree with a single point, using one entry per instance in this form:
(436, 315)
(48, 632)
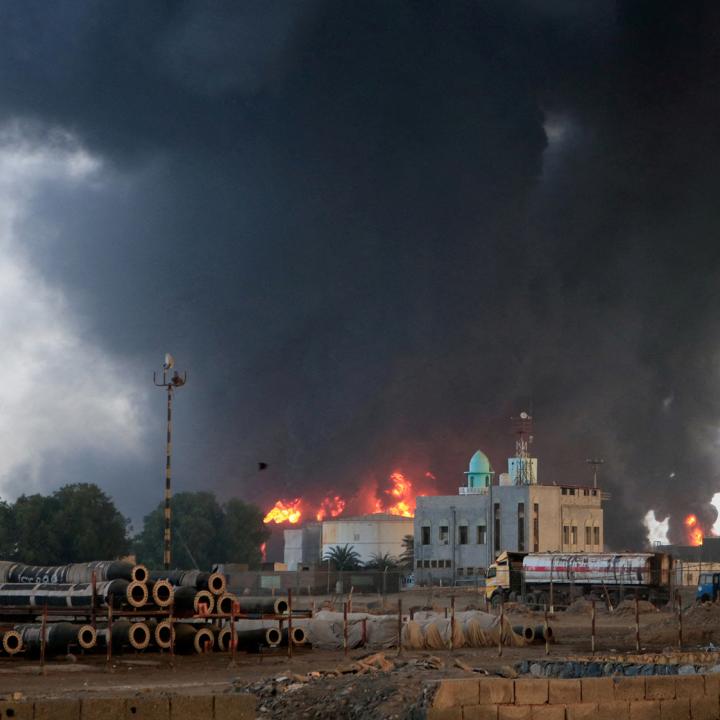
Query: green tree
(37, 541)
(407, 557)
(243, 533)
(382, 562)
(8, 532)
(87, 524)
(343, 557)
(197, 526)
(76, 523)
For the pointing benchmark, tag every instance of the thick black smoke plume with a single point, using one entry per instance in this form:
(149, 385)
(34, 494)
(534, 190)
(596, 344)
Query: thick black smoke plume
(374, 231)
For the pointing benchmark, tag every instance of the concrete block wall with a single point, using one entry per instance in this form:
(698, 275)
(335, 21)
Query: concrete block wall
(669, 697)
(230, 706)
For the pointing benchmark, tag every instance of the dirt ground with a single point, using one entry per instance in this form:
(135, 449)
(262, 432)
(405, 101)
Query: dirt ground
(322, 684)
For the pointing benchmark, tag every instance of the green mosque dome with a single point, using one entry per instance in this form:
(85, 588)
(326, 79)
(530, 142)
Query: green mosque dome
(479, 463)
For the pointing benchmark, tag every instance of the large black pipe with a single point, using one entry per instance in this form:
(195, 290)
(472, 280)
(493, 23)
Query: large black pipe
(58, 637)
(191, 638)
(125, 633)
(63, 594)
(262, 605)
(12, 642)
(253, 640)
(71, 574)
(188, 598)
(214, 582)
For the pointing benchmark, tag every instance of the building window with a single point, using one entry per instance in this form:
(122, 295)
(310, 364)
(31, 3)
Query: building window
(426, 563)
(588, 535)
(356, 537)
(521, 527)
(573, 533)
(443, 535)
(536, 527)
(596, 531)
(460, 572)
(566, 534)
(481, 534)
(496, 528)
(433, 563)
(419, 564)
(563, 491)
(593, 493)
(462, 535)
(470, 571)
(425, 535)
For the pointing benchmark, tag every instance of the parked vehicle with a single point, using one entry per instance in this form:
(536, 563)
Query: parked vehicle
(708, 588)
(559, 578)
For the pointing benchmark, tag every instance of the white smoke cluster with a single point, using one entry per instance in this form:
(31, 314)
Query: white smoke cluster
(657, 530)
(58, 394)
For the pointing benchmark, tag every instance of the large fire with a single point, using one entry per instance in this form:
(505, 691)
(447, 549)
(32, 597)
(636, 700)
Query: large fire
(285, 511)
(396, 497)
(330, 506)
(694, 531)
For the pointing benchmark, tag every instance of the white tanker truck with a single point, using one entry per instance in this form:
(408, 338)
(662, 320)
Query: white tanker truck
(559, 578)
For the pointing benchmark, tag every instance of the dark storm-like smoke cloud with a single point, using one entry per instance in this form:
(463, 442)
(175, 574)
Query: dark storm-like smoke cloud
(373, 230)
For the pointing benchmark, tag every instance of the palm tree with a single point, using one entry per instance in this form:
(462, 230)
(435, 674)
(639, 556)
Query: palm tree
(407, 558)
(343, 558)
(382, 562)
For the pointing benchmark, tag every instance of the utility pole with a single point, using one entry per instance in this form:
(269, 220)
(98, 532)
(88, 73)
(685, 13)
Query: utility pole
(595, 464)
(175, 381)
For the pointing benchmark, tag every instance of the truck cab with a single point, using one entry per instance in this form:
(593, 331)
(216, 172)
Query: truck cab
(504, 577)
(708, 587)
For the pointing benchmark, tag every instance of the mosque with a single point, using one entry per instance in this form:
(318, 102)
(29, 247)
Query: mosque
(458, 536)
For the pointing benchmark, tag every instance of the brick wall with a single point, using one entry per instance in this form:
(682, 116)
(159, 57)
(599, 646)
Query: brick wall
(229, 706)
(691, 697)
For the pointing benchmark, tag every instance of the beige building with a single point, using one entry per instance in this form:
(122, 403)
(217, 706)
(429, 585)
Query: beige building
(369, 535)
(459, 536)
(566, 518)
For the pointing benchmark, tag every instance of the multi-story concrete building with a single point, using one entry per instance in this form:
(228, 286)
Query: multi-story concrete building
(458, 536)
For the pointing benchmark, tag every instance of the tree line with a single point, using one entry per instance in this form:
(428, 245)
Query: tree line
(80, 522)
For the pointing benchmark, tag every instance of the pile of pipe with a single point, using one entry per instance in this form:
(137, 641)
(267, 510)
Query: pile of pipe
(114, 593)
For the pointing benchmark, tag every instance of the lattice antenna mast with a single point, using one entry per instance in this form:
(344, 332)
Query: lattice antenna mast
(171, 384)
(523, 441)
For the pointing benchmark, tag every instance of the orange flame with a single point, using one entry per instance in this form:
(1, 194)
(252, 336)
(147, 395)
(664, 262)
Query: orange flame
(401, 493)
(694, 531)
(285, 511)
(332, 506)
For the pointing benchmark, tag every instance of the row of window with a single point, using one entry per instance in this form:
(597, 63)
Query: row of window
(578, 491)
(461, 571)
(481, 530)
(433, 564)
(570, 535)
(463, 535)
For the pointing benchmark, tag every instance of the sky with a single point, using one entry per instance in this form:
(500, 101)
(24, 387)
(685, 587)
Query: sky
(371, 232)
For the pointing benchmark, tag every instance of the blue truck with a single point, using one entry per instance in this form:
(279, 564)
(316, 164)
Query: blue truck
(708, 587)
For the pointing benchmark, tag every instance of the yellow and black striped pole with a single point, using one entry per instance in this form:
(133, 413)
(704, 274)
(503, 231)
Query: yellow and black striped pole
(167, 552)
(175, 381)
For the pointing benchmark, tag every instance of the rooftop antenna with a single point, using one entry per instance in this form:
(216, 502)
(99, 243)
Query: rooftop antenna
(595, 464)
(524, 438)
(171, 384)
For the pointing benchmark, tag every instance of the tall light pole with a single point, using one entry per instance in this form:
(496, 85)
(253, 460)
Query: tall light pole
(175, 381)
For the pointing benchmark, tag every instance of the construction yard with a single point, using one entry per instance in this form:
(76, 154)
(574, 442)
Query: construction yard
(366, 682)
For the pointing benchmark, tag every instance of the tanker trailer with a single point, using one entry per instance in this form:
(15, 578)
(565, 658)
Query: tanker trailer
(559, 578)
